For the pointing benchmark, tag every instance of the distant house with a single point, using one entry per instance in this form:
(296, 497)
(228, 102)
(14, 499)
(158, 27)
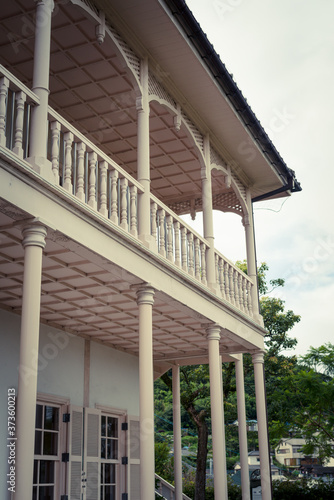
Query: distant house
(289, 452)
(254, 464)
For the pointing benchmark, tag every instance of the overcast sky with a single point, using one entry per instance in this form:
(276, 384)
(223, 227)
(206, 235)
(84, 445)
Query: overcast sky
(281, 55)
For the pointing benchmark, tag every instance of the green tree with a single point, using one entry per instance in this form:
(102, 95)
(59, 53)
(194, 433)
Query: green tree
(308, 402)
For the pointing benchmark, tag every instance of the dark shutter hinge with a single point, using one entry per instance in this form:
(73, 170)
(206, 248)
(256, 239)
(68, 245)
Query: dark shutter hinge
(124, 496)
(65, 457)
(66, 417)
(63, 497)
(124, 460)
(124, 426)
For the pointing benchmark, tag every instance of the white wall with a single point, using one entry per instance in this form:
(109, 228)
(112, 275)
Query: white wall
(113, 375)
(114, 379)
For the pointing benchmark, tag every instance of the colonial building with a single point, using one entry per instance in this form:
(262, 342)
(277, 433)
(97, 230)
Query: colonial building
(117, 117)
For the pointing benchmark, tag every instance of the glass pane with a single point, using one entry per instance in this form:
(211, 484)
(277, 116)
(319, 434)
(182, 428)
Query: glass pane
(35, 476)
(38, 442)
(51, 418)
(103, 448)
(34, 493)
(103, 426)
(112, 427)
(110, 473)
(46, 472)
(45, 493)
(39, 417)
(50, 443)
(102, 497)
(110, 492)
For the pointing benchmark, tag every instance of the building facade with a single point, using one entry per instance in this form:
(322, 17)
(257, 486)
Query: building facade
(117, 118)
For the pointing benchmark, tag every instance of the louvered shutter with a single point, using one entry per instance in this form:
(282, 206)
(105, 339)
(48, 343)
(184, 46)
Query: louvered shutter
(92, 452)
(133, 443)
(75, 453)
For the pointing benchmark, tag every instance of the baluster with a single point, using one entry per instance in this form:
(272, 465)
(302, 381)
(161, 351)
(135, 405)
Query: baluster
(197, 259)
(191, 253)
(170, 254)
(124, 203)
(4, 83)
(154, 209)
(55, 135)
(230, 277)
(68, 139)
(227, 282)
(103, 167)
(162, 239)
(20, 100)
(92, 158)
(203, 263)
(184, 248)
(249, 298)
(235, 287)
(177, 243)
(244, 288)
(133, 211)
(217, 269)
(114, 196)
(80, 191)
(222, 278)
(241, 292)
(244, 294)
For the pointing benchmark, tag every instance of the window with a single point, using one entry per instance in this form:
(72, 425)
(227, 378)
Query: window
(46, 463)
(109, 456)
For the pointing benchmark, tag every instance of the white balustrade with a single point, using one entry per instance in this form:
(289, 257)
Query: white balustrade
(15, 102)
(235, 286)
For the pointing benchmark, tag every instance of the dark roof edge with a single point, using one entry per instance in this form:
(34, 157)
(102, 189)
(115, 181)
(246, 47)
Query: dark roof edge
(217, 68)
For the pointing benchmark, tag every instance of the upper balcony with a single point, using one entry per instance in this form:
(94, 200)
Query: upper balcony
(136, 132)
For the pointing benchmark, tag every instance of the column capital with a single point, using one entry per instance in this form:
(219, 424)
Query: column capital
(258, 357)
(142, 105)
(145, 294)
(213, 332)
(34, 234)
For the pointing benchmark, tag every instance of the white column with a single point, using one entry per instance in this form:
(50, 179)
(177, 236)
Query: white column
(242, 428)
(247, 221)
(258, 362)
(143, 158)
(33, 243)
(177, 432)
(215, 370)
(208, 216)
(39, 114)
(145, 300)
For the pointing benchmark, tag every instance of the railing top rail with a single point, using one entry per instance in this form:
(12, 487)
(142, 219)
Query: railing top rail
(170, 486)
(92, 147)
(234, 266)
(17, 85)
(181, 221)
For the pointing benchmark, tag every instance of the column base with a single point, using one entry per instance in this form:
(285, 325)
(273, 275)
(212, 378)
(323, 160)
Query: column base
(148, 241)
(42, 166)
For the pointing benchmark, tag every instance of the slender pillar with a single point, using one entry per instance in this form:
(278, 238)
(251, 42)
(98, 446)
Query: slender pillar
(216, 413)
(224, 465)
(177, 432)
(242, 428)
(145, 300)
(208, 216)
(258, 363)
(33, 243)
(251, 257)
(143, 158)
(39, 115)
